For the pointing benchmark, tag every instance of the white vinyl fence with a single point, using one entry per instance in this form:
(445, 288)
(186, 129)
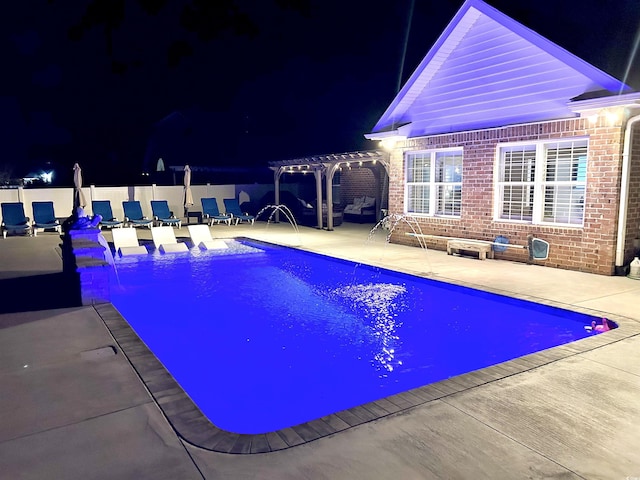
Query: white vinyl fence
(62, 198)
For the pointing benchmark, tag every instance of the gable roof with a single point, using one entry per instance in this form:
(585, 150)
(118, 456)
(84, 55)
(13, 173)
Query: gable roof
(487, 70)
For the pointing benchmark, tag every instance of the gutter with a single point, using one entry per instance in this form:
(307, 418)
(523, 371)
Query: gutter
(624, 191)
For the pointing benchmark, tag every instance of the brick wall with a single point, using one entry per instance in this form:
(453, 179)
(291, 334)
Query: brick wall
(358, 181)
(590, 248)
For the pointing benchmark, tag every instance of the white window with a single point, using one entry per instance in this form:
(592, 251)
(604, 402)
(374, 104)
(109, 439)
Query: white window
(542, 183)
(434, 183)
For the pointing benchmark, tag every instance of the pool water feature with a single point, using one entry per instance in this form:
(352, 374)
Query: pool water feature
(263, 337)
(276, 210)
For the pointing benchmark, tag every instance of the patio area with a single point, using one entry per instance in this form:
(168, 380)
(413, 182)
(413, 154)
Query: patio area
(73, 406)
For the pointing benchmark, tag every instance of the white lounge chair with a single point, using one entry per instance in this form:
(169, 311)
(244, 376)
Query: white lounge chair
(125, 241)
(165, 240)
(201, 237)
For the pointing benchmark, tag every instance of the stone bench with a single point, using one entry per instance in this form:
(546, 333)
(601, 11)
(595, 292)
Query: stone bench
(483, 248)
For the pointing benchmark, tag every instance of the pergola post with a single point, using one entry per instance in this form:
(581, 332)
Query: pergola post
(276, 190)
(331, 171)
(317, 173)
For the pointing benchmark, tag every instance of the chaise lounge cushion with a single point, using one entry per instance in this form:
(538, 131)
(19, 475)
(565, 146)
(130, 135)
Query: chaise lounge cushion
(363, 209)
(361, 206)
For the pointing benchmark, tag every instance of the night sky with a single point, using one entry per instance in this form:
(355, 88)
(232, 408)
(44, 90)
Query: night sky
(237, 82)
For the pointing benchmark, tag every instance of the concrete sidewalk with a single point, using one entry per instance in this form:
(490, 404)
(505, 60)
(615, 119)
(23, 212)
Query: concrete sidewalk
(72, 406)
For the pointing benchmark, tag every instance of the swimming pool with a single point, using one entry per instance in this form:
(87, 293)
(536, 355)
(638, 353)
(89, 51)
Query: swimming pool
(264, 337)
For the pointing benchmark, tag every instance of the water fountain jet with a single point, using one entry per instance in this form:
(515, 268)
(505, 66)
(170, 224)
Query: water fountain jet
(391, 221)
(285, 211)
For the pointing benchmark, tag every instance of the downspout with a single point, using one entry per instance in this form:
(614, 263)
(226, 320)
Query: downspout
(624, 191)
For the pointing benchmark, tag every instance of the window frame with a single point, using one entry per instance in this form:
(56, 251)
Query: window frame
(540, 183)
(436, 202)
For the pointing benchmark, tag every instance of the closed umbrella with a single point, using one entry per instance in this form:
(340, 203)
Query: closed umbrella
(188, 196)
(78, 195)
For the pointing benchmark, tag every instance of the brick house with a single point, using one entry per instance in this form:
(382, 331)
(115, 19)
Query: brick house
(500, 132)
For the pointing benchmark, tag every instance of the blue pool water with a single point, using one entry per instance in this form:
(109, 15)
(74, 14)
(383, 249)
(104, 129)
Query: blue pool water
(264, 337)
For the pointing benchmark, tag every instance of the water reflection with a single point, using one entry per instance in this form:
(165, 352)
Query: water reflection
(380, 303)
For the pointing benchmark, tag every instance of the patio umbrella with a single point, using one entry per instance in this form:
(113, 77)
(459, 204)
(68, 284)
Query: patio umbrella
(160, 165)
(188, 196)
(78, 195)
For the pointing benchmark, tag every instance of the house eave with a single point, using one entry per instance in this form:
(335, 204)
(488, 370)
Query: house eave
(382, 135)
(402, 132)
(584, 107)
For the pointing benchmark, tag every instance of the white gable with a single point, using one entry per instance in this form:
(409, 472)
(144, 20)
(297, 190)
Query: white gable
(487, 70)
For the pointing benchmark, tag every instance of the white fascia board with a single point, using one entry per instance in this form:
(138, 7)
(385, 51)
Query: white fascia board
(381, 135)
(591, 104)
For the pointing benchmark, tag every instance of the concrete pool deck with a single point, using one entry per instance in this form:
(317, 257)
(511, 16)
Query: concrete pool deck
(72, 407)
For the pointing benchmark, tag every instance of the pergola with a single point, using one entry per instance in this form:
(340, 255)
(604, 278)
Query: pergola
(325, 166)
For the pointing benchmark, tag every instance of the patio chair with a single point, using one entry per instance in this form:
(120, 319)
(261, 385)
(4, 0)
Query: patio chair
(162, 215)
(44, 218)
(165, 240)
(133, 215)
(125, 242)
(232, 208)
(201, 237)
(103, 208)
(211, 213)
(14, 219)
(362, 210)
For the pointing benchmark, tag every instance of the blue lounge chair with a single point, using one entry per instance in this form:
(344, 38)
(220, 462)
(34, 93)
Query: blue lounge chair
(133, 215)
(14, 219)
(162, 215)
(103, 208)
(232, 208)
(44, 217)
(211, 213)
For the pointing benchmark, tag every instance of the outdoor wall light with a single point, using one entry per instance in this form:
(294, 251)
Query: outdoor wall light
(389, 143)
(613, 116)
